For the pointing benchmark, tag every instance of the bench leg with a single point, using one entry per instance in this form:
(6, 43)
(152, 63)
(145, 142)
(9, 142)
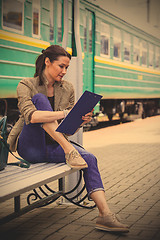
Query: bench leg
(17, 204)
(61, 184)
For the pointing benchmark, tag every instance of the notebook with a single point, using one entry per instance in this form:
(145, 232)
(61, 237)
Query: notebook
(73, 120)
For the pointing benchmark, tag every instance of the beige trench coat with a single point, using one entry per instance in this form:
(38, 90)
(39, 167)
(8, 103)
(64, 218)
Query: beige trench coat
(64, 98)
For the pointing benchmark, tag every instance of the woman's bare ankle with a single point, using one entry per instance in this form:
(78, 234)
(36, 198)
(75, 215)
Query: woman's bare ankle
(68, 149)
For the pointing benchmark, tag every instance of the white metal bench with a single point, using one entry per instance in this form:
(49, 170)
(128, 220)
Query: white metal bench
(15, 181)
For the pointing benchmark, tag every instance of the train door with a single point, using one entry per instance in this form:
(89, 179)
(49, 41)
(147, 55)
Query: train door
(89, 51)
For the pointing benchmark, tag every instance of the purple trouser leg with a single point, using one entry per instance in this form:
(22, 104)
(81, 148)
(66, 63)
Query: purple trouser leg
(32, 147)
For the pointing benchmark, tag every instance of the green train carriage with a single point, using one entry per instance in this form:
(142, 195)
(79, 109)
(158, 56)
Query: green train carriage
(120, 61)
(124, 64)
(22, 42)
(26, 27)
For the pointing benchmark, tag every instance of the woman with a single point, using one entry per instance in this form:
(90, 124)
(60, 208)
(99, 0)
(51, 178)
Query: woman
(43, 101)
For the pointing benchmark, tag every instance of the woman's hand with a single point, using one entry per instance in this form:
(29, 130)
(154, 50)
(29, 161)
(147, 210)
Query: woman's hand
(87, 118)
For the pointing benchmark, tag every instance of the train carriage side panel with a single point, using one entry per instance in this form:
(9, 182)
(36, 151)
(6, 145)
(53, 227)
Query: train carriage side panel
(118, 76)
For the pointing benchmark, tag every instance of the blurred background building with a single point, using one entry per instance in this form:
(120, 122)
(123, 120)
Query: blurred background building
(144, 14)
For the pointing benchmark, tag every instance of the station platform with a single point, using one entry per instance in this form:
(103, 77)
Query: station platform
(129, 162)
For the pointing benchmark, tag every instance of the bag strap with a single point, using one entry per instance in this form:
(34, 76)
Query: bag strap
(3, 138)
(3, 123)
(22, 163)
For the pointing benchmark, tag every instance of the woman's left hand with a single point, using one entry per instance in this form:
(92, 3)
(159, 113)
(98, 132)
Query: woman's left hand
(87, 118)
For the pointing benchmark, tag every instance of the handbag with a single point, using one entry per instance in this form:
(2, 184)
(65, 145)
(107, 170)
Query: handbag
(4, 148)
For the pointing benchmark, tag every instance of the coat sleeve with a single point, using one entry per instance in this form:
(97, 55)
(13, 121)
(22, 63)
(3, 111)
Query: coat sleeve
(25, 104)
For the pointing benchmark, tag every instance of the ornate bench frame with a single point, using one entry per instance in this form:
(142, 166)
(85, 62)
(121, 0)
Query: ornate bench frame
(16, 181)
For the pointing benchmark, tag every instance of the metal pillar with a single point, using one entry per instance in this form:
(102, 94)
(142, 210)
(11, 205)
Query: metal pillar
(74, 75)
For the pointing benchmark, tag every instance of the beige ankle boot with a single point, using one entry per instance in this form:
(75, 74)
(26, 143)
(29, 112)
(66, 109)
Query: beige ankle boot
(74, 160)
(111, 223)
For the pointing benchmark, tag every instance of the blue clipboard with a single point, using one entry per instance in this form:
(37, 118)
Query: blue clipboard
(73, 120)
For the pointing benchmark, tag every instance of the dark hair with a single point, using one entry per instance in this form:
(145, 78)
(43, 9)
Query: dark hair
(52, 52)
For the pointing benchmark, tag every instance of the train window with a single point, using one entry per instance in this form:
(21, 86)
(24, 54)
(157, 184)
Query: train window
(105, 39)
(127, 47)
(13, 14)
(51, 20)
(144, 52)
(157, 58)
(59, 21)
(85, 34)
(36, 18)
(151, 55)
(117, 43)
(136, 51)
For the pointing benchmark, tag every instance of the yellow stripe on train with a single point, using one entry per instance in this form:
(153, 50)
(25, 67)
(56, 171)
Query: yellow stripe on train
(23, 39)
(124, 65)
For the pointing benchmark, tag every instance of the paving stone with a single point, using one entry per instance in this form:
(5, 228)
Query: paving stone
(95, 234)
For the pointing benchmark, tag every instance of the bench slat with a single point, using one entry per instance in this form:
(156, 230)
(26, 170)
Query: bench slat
(15, 175)
(23, 180)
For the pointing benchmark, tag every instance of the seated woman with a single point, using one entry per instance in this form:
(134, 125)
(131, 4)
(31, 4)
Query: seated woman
(43, 101)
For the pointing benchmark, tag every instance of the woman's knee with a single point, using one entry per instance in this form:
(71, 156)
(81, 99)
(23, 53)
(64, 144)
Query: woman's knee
(41, 102)
(87, 156)
(90, 159)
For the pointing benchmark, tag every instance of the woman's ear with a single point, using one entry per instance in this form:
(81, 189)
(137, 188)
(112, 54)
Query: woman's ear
(47, 61)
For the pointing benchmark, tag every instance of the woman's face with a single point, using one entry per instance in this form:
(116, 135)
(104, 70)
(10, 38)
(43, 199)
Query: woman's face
(57, 69)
